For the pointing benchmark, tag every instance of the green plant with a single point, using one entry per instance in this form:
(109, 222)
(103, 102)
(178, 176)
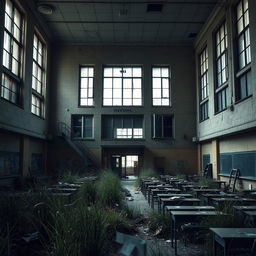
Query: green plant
(181, 176)
(108, 189)
(69, 177)
(88, 192)
(206, 182)
(131, 212)
(148, 173)
(159, 223)
(79, 231)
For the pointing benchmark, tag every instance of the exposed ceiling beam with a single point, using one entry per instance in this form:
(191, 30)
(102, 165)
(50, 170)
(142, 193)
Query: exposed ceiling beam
(125, 22)
(131, 2)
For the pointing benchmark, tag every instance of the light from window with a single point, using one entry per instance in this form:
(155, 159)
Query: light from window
(243, 89)
(122, 127)
(12, 53)
(221, 68)
(161, 86)
(82, 126)
(38, 77)
(203, 62)
(243, 32)
(86, 86)
(122, 86)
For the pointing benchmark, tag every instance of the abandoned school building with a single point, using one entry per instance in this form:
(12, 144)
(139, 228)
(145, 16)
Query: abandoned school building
(128, 85)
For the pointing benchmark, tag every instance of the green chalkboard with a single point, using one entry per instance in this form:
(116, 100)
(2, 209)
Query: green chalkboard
(245, 161)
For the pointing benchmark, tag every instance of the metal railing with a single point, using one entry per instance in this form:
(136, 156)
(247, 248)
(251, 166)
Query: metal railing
(66, 132)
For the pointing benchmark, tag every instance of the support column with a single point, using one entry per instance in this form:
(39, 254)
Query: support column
(199, 159)
(215, 159)
(25, 155)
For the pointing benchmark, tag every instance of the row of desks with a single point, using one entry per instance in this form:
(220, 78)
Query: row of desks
(183, 207)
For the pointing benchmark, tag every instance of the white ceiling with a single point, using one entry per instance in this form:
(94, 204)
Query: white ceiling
(99, 21)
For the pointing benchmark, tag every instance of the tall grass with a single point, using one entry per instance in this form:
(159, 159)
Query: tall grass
(69, 177)
(88, 192)
(206, 182)
(108, 189)
(79, 231)
(159, 221)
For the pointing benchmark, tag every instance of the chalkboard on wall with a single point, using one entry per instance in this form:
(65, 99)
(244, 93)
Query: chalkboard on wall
(245, 161)
(9, 163)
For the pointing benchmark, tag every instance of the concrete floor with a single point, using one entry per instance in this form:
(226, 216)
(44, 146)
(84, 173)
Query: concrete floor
(155, 246)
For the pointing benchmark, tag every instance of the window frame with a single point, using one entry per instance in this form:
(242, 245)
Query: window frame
(114, 133)
(203, 102)
(161, 77)
(41, 97)
(154, 137)
(122, 87)
(15, 79)
(80, 88)
(82, 127)
(221, 88)
(242, 72)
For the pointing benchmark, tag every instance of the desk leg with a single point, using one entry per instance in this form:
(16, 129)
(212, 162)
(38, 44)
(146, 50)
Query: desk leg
(172, 232)
(214, 245)
(175, 238)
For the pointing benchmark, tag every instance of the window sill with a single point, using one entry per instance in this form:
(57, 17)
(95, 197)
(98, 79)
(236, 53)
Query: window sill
(15, 104)
(216, 113)
(239, 101)
(163, 138)
(40, 117)
(241, 177)
(133, 139)
(243, 70)
(81, 106)
(200, 121)
(79, 139)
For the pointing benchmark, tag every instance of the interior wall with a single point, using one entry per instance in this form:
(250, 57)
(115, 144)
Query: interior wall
(65, 93)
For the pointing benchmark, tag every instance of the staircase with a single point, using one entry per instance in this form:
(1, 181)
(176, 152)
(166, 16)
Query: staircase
(89, 160)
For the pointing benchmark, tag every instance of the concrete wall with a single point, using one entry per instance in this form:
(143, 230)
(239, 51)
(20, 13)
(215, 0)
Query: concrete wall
(19, 118)
(20, 130)
(242, 116)
(239, 119)
(65, 91)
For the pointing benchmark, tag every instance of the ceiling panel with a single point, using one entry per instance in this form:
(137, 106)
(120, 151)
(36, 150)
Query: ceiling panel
(121, 22)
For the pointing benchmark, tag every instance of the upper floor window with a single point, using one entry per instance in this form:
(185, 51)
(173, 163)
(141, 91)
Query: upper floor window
(244, 86)
(38, 77)
(12, 53)
(86, 85)
(82, 126)
(203, 82)
(122, 127)
(161, 86)
(122, 86)
(221, 46)
(162, 126)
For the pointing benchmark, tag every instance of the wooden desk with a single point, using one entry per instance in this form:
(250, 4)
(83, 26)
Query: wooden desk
(245, 207)
(175, 202)
(206, 198)
(168, 195)
(206, 190)
(234, 201)
(190, 208)
(180, 217)
(226, 236)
